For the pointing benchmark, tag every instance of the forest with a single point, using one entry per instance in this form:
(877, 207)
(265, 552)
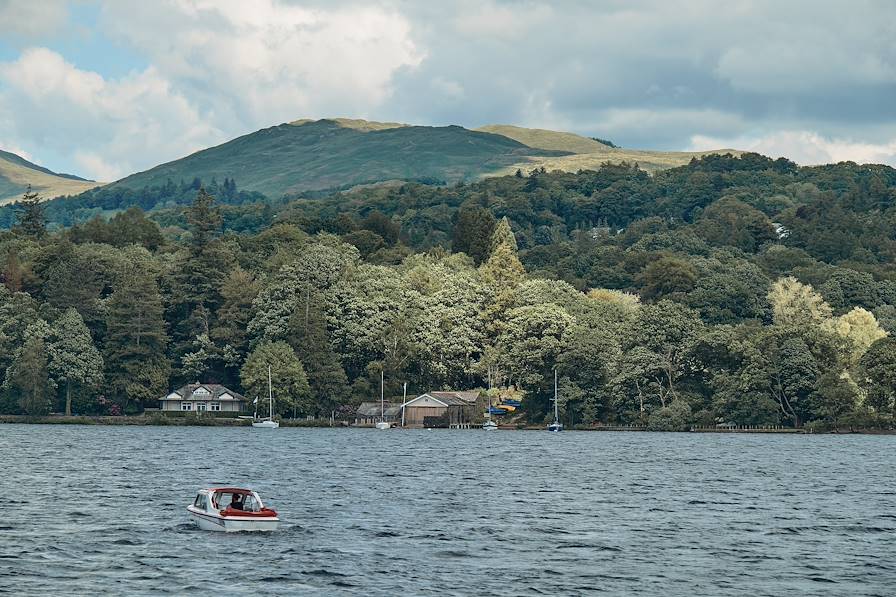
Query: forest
(733, 290)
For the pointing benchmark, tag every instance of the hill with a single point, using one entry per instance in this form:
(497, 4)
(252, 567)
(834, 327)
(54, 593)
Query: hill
(545, 139)
(588, 154)
(324, 154)
(16, 173)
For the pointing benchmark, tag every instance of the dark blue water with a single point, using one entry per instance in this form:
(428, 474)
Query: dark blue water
(101, 510)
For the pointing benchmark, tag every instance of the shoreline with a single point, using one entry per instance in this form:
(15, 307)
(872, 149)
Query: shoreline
(165, 421)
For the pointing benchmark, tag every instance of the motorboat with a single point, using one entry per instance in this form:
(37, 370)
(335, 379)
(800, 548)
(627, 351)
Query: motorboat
(232, 509)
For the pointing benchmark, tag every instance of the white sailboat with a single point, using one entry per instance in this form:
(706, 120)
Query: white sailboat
(382, 424)
(269, 422)
(556, 425)
(489, 424)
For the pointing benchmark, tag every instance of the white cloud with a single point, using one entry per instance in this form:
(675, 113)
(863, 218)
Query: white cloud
(260, 63)
(109, 127)
(27, 18)
(805, 147)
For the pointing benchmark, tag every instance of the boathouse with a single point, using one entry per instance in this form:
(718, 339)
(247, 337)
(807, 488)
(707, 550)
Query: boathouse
(368, 413)
(444, 409)
(206, 397)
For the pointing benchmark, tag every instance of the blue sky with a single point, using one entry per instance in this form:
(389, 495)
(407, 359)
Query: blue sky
(106, 88)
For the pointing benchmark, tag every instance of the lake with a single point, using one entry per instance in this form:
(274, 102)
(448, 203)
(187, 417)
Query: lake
(101, 510)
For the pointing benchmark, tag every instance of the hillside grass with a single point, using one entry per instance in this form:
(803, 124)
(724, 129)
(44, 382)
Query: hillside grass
(358, 124)
(290, 159)
(545, 139)
(15, 178)
(651, 161)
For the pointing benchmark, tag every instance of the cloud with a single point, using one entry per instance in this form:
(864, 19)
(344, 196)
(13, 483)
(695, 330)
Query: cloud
(647, 73)
(28, 18)
(265, 62)
(109, 127)
(805, 147)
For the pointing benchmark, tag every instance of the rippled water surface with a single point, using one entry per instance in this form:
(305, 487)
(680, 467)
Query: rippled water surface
(101, 510)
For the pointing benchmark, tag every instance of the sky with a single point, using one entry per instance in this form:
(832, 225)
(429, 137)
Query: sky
(106, 88)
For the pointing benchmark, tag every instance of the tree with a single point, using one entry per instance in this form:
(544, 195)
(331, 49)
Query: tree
(313, 273)
(29, 378)
(310, 340)
(877, 374)
(288, 379)
(779, 364)
(31, 218)
(195, 284)
(860, 330)
(796, 304)
(668, 331)
(238, 292)
(74, 360)
(535, 338)
(472, 232)
(667, 277)
(729, 221)
(136, 341)
(503, 268)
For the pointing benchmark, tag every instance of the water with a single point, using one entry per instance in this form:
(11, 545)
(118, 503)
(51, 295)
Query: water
(101, 510)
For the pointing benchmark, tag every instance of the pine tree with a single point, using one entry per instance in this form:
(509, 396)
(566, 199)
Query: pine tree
(503, 268)
(136, 341)
(31, 218)
(309, 338)
(195, 284)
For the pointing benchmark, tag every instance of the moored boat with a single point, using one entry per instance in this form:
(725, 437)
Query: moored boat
(232, 509)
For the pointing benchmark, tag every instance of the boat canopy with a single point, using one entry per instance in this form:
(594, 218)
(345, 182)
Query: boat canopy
(237, 490)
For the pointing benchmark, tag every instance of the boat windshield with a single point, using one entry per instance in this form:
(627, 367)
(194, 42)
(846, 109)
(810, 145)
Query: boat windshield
(243, 501)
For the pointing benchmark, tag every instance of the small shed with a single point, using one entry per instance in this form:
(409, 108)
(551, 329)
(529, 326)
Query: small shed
(444, 409)
(369, 413)
(198, 397)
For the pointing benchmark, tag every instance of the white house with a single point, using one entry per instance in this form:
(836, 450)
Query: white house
(202, 397)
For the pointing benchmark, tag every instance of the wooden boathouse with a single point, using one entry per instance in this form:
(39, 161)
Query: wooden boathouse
(457, 410)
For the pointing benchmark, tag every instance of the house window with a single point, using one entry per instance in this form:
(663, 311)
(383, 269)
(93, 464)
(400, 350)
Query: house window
(186, 406)
(200, 392)
(215, 406)
(201, 406)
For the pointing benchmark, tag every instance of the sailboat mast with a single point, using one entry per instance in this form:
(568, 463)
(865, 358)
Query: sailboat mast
(404, 401)
(270, 396)
(556, 417)
(382, 396)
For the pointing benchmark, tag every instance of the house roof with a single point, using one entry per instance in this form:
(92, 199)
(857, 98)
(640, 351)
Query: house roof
(465, 398)
(372, 409)
(215, 391)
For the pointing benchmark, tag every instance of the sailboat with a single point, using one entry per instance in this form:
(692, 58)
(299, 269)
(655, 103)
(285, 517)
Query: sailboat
(269, 422)
(489, 424)
(382, 424)
(556, 425)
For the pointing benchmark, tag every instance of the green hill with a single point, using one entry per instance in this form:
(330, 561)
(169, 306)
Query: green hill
(16, 173)
(324, 154)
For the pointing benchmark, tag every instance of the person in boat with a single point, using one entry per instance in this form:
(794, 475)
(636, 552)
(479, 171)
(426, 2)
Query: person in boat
(236, 501)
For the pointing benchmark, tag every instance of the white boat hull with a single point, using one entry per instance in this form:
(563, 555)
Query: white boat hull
(231, 524)
(490, 426)
(383, 425)
(266, 424)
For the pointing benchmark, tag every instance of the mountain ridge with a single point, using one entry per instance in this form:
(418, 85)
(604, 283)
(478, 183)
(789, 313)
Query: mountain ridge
(17, 174)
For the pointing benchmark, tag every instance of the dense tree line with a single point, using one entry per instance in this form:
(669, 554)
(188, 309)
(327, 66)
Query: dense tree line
(745, 291)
